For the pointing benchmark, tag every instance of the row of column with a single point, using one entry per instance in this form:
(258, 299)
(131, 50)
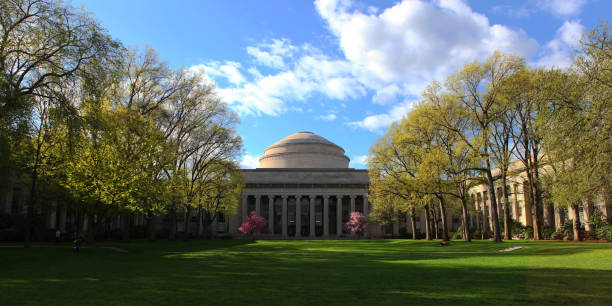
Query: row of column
(312, 212)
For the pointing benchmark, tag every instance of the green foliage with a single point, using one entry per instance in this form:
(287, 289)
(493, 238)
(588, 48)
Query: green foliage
(547, 232)
(605, 232)
(597, 219)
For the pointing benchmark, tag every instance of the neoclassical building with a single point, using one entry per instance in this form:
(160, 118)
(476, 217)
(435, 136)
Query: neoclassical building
(520, 208)
(304, 188)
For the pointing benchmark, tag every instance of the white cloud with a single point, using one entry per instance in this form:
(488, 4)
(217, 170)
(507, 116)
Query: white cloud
(415, 41)
(266, 58)
(399, 51)
(562, 8)
(558, 52)
(376, 123)
(392, 54)
(308, 71)
(249, 162)
(359, 161)
(228, 70)
(328, 117)
(386, 95)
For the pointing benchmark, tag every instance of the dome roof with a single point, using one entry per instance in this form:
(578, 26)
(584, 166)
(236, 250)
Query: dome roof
(304, 150)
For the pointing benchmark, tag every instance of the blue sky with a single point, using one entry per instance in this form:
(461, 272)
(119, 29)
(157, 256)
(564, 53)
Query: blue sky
(341, 69)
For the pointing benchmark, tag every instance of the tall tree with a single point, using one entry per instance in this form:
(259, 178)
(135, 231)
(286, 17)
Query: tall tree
(454, 162)
(479, 88)
(577, 125)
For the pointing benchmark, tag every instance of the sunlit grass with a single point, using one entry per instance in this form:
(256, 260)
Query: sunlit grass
(367, 272)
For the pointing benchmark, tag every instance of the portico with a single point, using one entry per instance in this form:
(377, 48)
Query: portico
(304, 189)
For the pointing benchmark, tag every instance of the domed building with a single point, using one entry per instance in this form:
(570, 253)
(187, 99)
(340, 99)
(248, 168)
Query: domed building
(304, 188)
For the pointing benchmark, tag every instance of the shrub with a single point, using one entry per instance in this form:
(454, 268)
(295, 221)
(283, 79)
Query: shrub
(358, 223)
(597, 220)
(254, 224)
(547, 232)
(565, 232)
(526, 232)
(605, 232)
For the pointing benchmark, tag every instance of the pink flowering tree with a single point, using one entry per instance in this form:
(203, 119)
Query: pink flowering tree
(358, 223)
(254, 224)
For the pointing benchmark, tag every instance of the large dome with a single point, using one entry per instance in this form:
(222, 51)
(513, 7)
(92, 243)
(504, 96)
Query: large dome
(304, 150)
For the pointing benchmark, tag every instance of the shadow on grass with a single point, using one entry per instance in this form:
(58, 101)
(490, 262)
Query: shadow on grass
(303, 272)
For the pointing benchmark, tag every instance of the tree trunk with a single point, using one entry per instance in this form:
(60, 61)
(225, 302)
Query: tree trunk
(435, 222)
(576, 223)
(187, 222)
(536, 210)
(495, 216)
(413, 221)
(443, 217)
(427, 225)
(466, 224)
(550, 215)
(172, 223)
(507, 223)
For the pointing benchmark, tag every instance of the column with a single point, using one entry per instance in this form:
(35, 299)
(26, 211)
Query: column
(258, 204)
(312, 219)
(53, 218)
(298, 217)
(587, 208)
(62, 220)
(284, 214)
(271, 214)
(325, 216)
(558, 217)
(339, 216)
(516, 207)
(8, 200)
(245, 205)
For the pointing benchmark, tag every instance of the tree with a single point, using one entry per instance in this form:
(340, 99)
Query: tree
(254, 225)
(451, 162)
(479, 87)
(223, 191)
(576, 125)
(392, 167)
(43, 44)
(357, 223)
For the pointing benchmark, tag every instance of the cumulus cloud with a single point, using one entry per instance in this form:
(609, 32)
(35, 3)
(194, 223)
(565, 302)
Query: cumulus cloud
(377, 123)
(390, 54)
(249, 162)
(558, 52)
(408, 44)
(272, 54)
(562, 8)
(400, 50)
(228, 70)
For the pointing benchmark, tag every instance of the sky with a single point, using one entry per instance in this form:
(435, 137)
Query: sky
(342, 69)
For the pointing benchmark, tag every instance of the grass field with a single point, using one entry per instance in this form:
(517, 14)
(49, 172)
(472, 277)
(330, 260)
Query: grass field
(366, 272)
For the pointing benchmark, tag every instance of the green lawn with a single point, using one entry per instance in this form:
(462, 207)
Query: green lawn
(367, 272)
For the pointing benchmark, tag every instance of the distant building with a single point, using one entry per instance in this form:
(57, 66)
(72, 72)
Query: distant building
(521, 209)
